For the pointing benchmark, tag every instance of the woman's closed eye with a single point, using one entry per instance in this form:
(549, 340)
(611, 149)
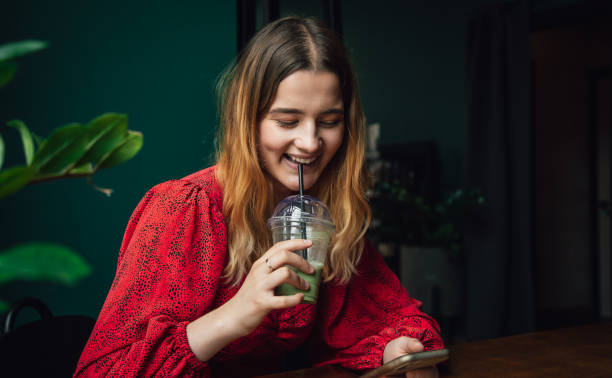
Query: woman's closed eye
(322, 123)
(330, 123)
(286, 123)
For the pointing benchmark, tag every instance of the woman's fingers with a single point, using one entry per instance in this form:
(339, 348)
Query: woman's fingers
(289, 245)
(289, 276)
(286, 301)
(400, 346)
(411, 345)
(282, 254)
(256, 296)
(274, 268)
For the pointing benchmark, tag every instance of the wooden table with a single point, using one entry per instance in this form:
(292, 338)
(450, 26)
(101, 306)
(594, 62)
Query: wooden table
(583, 351)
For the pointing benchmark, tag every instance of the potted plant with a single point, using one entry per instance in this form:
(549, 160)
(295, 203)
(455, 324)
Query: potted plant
(427, 240)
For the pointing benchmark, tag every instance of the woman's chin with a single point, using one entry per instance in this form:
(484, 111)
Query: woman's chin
(288, 188)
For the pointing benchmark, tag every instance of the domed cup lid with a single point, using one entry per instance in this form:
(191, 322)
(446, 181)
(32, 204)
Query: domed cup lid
(300, 209)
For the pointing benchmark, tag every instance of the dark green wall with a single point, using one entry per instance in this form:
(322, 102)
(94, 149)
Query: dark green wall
(155, 62)
(410, 58)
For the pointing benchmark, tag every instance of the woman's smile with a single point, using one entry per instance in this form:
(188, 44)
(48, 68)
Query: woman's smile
(298, 160)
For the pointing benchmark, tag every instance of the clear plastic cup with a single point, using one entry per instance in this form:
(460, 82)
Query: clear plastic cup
(303, 217)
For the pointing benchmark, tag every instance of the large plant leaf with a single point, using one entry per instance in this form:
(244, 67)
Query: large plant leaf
(62, 150)
(16, 49)
(1, 151)
(26, 139)
(67, 158)
(106, 133)
(42, 261)
(58, 140)
(13, 179)
(7, 71)
(127, 150)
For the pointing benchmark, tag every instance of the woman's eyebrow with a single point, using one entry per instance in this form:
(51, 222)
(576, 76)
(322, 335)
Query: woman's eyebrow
(286, 111)
(334, 111)
(297, 111)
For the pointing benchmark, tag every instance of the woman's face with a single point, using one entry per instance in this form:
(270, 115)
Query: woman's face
(305, 124)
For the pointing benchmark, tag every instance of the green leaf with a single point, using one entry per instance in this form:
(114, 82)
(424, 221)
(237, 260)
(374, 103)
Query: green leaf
(127, 150)
(1, 151)
(106, 133)
(26, 139)
(42, 261)
(7, 71)
(57, 141)
(39, 140)
(16, 49)
(14, 179)
(67, 158)
(62, 150)
(85, 169)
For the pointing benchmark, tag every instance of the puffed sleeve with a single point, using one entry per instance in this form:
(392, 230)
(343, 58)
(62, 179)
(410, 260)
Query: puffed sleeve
(356, 321)
(170, 263)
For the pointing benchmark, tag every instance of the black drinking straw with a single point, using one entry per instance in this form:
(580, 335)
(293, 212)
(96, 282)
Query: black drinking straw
(302, 224)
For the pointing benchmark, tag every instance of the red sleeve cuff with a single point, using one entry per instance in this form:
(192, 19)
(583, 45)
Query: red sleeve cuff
(183, 344)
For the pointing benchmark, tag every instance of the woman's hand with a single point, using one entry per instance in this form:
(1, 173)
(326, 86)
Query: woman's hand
(256, 298)
(406, 345)
(211, 332)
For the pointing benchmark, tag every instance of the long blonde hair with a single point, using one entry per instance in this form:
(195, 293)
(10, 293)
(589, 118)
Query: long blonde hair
(246, 91)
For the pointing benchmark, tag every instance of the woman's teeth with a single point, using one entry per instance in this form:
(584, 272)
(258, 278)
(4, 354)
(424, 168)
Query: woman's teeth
(299, 161)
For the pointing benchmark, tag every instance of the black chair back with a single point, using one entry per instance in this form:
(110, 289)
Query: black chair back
(49, 347)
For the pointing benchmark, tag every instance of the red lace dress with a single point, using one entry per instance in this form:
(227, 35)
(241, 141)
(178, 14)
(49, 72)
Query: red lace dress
(169, 274)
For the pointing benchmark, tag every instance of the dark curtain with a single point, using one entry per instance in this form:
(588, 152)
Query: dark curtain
(498, 240)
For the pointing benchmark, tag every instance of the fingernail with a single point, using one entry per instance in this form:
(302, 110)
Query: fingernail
(307, 241)
(305, 285)
(311, 268)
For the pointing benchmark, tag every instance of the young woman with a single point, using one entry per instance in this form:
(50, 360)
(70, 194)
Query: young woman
(194, 289)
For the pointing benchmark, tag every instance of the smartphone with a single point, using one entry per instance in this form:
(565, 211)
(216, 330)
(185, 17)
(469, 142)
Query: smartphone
(409, 362)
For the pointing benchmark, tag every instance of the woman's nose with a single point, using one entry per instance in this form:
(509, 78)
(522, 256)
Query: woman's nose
(308, 139)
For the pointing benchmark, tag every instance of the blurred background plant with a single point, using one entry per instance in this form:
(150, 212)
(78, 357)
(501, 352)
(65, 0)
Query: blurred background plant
(73, 150)
(406, 218)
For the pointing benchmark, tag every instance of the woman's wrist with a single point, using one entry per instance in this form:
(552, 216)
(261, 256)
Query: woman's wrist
(211, 332)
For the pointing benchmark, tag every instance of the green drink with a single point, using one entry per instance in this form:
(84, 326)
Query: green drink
(303, 217)
(310, 295)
